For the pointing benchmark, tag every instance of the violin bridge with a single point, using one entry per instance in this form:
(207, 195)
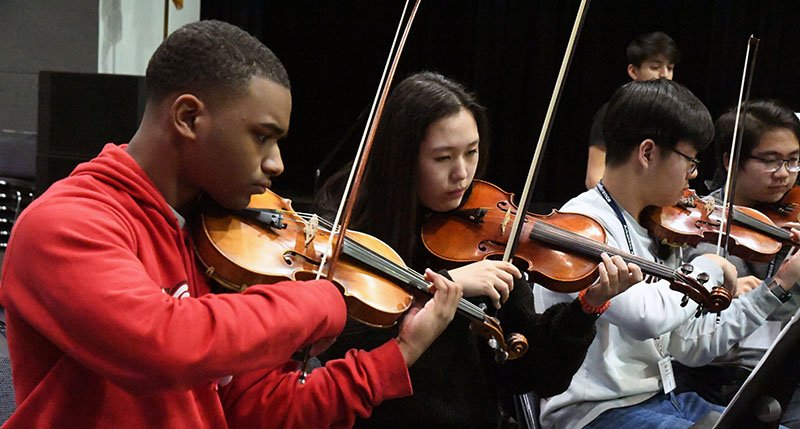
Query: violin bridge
(310, 229)
(709, 204)
(506, 220)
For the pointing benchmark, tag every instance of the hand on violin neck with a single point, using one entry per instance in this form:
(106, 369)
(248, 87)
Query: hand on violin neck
(789, 272)
(616, 276)
(492, 279)
(746, 284)
(794, 229)
(423, 324)
(729, 275)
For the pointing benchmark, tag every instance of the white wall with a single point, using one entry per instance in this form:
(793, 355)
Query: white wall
(131, 30)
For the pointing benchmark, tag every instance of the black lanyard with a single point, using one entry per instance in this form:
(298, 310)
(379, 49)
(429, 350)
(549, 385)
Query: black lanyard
(602, 190)
(777, 260)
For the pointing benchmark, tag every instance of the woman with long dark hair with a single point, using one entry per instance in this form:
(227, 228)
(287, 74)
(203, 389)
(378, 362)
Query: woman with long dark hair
(432, 141)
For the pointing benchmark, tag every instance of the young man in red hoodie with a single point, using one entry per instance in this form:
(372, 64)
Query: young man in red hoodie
(111, 323)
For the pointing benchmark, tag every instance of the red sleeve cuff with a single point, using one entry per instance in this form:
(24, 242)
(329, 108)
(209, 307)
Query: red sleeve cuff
(394, 379)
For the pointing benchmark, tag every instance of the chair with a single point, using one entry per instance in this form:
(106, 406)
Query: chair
(17, 170)
(527, 409)
(7, 404)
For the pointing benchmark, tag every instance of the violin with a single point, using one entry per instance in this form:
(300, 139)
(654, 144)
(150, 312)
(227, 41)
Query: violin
(786, 211)
(753, 235)
(559, 250)
(269, 241)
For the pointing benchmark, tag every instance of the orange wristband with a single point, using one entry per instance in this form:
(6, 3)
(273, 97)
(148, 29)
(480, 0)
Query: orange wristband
(588, 309)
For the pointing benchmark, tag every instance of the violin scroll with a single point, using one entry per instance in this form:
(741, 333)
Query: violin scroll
(517, 345)
(714, 300)
(509, 348)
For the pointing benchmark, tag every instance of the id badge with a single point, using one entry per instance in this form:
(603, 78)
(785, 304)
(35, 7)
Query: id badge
(667, 376)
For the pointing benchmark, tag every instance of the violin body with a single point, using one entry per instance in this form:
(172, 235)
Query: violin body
(786, 211)
(479, 229)
(753, 236)
(238, 252)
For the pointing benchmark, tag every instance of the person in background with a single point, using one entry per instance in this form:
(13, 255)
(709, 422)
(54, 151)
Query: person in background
(650, 56)
(767, 170)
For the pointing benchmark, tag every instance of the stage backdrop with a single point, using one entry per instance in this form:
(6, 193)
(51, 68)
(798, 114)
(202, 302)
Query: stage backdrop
(508, 52)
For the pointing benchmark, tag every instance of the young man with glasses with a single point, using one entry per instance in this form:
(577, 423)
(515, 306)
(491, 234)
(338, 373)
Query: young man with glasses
(654, 129)
(767, 170)
(693, 162)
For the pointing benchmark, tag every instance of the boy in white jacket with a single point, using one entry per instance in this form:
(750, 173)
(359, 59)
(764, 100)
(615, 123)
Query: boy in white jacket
(654, 131)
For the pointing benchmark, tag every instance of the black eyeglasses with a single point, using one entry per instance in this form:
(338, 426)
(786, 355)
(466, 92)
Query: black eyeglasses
(694, 162)
(773, 165)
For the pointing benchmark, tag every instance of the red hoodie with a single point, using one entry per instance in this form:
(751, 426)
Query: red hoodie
(97, 339)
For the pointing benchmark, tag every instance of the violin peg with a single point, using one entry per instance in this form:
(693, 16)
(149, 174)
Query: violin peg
(699, 311)
(684, 300)
(500, 356)
(703, 278)
(687, 268)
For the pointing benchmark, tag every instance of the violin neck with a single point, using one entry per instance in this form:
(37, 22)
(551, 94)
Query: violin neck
(573, 242)
(772, 231)
(404, 276)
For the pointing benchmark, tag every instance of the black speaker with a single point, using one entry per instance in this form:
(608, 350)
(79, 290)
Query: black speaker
(78, 114)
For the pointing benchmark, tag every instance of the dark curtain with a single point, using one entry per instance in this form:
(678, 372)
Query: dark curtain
(509, 53)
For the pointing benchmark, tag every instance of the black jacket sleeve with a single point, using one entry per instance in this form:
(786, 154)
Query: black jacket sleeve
(558, 340)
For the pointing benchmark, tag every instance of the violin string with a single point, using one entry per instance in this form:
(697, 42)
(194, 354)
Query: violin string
(493, 213)
(560, 236)
(402, 273)
(570, 240)
(371, 258)
(760, 226)
(581, 243)
(542, 230)
(409, 273)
